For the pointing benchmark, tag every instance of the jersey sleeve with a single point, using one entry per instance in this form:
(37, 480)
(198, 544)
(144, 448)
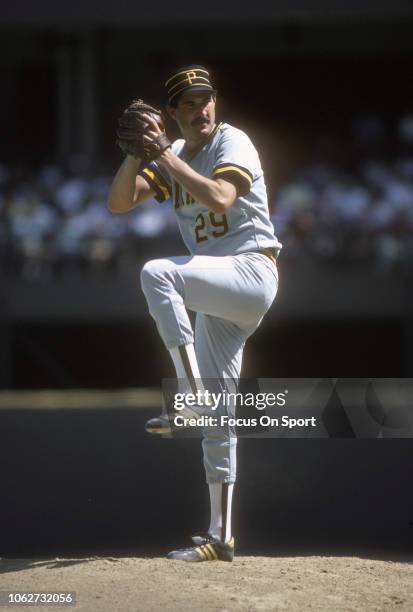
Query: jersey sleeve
(158, 180)
(236, 161)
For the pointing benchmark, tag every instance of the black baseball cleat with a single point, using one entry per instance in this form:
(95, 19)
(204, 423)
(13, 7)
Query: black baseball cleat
(201, 537)
(211, 549)
(177, 420)
(159, 425)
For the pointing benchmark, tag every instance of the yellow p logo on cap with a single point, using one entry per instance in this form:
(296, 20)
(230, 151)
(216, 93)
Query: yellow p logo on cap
(191, 75)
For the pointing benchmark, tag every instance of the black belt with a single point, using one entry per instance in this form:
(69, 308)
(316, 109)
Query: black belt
(270, 252)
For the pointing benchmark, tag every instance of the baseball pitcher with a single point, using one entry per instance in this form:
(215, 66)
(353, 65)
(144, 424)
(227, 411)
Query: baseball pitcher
(214, 177)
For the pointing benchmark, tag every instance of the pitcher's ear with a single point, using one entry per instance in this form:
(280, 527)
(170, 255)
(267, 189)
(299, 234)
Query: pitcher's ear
(171, 110)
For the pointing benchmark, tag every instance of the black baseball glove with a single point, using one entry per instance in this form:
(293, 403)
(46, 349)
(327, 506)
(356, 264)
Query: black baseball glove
(132, 128)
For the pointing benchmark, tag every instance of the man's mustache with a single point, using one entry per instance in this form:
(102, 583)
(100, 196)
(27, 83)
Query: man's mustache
(200, 120)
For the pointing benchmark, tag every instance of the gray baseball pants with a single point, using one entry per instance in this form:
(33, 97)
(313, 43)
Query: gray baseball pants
(230, 295)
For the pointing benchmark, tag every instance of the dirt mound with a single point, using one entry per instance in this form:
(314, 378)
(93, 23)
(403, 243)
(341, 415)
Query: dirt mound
(247, 584)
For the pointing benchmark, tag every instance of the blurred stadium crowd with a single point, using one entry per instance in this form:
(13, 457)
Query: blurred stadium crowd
(338, 216)
(56, 218)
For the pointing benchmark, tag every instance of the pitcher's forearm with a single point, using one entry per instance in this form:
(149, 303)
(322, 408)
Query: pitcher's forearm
(122, 195)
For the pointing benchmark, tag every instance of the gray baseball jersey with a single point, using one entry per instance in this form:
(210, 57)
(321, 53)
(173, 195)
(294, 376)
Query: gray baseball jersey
(246, 226)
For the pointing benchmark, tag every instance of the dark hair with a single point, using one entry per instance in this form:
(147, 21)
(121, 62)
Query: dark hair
(174, 102)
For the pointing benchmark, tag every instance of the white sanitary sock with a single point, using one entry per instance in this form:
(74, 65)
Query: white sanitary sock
(220, 496)
(187, 370)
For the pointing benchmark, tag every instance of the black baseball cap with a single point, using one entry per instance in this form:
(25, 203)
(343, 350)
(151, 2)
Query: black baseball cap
(188, 78)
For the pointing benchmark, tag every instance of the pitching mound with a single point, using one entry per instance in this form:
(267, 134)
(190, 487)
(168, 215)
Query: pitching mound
(248, 584)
